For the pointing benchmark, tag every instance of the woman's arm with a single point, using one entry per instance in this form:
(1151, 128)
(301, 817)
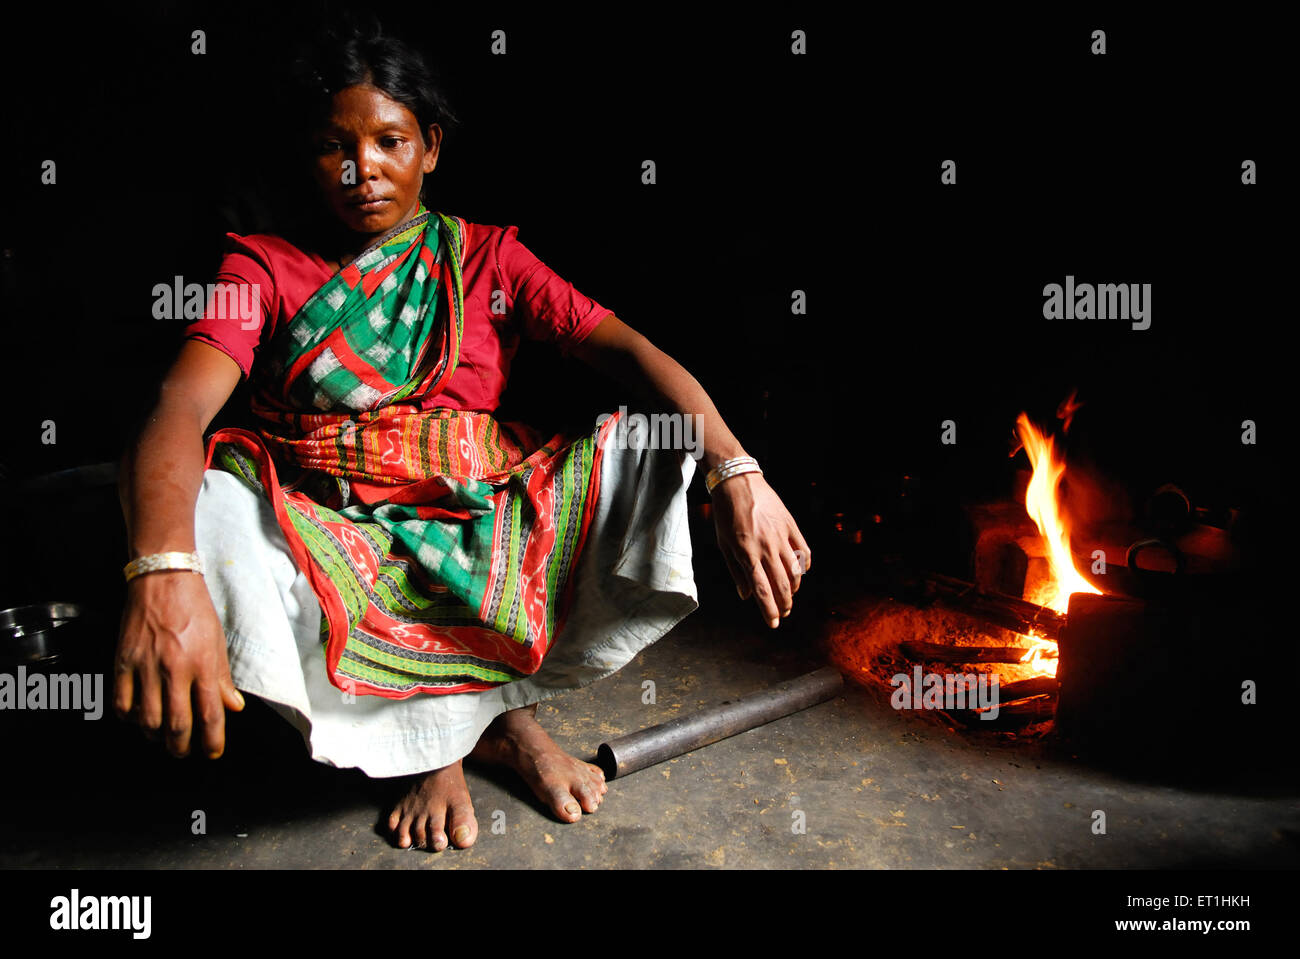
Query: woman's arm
(172, 651)
(756, 533)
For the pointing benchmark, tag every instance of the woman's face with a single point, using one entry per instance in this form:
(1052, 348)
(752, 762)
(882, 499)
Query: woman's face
(370, 160)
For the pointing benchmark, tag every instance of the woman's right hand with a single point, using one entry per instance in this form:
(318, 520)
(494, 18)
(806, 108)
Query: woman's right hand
(172, 673)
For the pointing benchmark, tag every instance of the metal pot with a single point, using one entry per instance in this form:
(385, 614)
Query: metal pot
(36, 634)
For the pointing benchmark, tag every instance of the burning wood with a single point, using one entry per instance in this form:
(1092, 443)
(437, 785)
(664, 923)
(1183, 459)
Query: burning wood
(1037, 686)
(1018, 705)
(946, 653)
(994, 608)
(1016, 715)
(1033, 623)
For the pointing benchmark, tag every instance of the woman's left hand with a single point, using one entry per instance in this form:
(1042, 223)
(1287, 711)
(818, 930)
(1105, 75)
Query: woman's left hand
(761, 543)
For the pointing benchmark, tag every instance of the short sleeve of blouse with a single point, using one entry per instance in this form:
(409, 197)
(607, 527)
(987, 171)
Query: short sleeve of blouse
(545, 306)
(239, 303)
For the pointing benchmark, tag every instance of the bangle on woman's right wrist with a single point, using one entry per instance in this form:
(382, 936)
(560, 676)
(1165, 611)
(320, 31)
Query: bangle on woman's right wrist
(159, 562)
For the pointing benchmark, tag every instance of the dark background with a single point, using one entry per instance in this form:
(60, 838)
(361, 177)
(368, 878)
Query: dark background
(775, 172)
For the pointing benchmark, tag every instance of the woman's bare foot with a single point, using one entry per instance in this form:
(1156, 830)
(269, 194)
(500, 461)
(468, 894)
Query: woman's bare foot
(437, 806)
(565, 784)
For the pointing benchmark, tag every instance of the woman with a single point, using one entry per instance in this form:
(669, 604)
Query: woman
(453, 569)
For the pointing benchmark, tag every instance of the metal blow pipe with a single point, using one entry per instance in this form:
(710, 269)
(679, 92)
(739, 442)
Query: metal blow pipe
(638, 750)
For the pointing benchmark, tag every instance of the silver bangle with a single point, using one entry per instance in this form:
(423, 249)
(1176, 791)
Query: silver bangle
(729, 468)
(157, 562)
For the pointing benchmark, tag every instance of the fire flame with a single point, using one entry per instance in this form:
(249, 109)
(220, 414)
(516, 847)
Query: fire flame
(1042, 656)
(1042, 501)
(1043, 505)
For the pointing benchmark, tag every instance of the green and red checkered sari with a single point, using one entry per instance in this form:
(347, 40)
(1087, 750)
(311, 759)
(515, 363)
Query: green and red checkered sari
(440, 543)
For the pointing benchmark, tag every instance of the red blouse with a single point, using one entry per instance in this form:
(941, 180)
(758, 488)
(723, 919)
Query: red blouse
(538, 305)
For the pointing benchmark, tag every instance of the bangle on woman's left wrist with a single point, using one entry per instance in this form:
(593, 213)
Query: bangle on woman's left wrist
(728, 469)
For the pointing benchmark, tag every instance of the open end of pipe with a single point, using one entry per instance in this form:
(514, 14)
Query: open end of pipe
(605, 760)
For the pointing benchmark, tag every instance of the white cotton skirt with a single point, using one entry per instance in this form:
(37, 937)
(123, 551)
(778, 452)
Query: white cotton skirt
(634, 583)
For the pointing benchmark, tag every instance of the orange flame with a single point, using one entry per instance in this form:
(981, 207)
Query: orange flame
(1042, 656)
(1042, 503)
(1065, 412)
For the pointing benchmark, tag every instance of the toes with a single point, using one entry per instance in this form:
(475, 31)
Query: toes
(428, 834)
(565, 806)
(587, 796)
(434, 835)
(437, 837)
(402, 832)
(437, 805)
(462, 826)
(598, 779)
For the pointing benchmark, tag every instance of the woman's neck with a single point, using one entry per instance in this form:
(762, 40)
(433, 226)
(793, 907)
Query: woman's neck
(340, 246)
